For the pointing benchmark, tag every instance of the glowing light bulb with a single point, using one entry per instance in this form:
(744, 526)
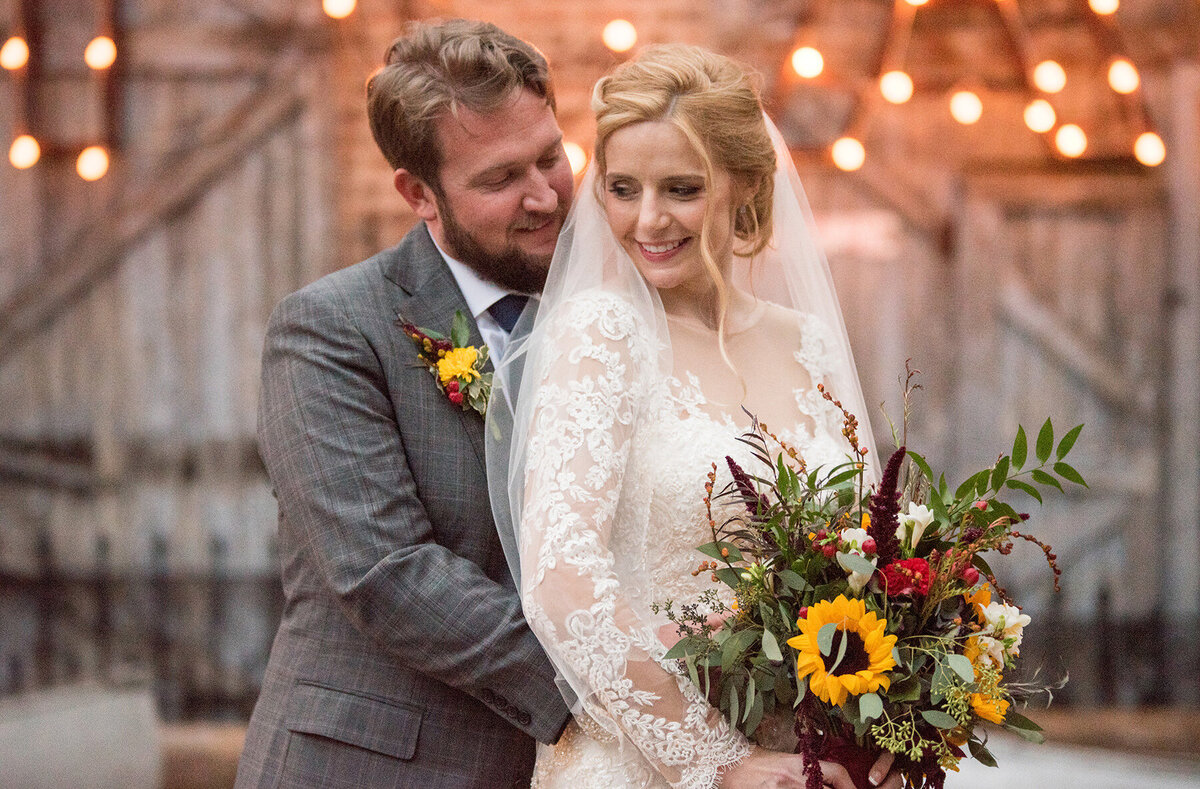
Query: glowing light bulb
(1123, 76)
(966, 107)
(619, 35)
(24, 152)
(100, 53)
(896, 87)
(576, 156)
(338, 9)
(1040, 116)
(848, 154)
(1149, 149)
(92, 163)
(1070, 140)
(808, 62)
(14, 54)
(1049, 76)
(917, 3)
(1104, 7)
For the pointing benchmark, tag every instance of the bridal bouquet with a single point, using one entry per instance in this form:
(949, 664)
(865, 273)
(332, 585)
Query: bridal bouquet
(868, 619)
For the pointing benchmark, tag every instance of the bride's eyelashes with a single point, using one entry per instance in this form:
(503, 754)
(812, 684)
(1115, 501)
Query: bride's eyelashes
(682, 191)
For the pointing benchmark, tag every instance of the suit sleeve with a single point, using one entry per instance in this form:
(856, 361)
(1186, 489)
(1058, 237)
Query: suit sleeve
(334, 453)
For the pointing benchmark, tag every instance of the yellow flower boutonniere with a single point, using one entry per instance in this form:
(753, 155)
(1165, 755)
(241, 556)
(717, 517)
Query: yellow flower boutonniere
(456, 366)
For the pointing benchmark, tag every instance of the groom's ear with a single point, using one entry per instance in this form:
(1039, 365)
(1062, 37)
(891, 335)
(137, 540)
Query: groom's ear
(419, 196)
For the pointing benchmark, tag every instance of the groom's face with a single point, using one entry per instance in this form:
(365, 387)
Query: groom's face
(504, 189)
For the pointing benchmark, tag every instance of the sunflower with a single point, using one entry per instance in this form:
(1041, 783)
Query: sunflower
(868, 652)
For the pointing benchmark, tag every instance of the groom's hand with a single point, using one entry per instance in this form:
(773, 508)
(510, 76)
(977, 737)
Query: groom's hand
(772, 770)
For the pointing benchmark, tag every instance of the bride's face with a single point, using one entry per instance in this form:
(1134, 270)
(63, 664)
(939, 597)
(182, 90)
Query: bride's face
(655, 195)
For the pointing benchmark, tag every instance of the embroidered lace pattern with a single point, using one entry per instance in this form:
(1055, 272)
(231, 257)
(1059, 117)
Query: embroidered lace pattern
(616, 462)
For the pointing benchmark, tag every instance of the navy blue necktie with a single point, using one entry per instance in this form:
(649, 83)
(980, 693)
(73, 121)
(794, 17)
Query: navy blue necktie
(507, 310)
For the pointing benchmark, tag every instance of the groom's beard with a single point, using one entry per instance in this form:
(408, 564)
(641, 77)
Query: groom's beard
(509, 268)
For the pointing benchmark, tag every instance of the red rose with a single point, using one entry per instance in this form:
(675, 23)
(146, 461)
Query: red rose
(908, 576)
(456, 398)
(970, 575)
(868, 545)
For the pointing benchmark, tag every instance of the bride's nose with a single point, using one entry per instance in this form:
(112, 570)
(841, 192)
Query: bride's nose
(651, 215)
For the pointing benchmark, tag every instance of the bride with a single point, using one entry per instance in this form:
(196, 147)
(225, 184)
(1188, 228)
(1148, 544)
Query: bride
(686, 290)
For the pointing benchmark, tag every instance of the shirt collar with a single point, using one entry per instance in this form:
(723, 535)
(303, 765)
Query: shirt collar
(478, 292)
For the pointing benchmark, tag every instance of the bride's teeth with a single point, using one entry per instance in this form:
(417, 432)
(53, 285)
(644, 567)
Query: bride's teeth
(658, 249)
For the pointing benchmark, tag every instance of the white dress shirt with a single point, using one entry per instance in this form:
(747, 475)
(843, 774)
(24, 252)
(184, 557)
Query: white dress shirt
(480, 294)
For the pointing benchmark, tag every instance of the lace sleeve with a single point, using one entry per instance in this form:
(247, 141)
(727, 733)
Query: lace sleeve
(598, 375)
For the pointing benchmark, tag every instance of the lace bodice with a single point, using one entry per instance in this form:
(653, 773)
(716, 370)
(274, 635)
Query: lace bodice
(616, 463)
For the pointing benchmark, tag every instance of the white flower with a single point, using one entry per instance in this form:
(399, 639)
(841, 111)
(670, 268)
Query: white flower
(913, 524)
(991, 649)
(851, 541)
(1005, 623)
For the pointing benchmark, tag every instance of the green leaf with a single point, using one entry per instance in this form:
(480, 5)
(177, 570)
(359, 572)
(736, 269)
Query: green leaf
(981, 754)
(939, 719)
(1067, 442)
(713, 549)
(825, 638)
(1042, 478)
(853, 563)
(460, 330)
(906, 690)
(750, 697)
(999, 473)
(754, 716)
(694, 677)
(1020, 448)
(728, 576)
(794, 580)
(1068, 473)
(961, 666)
(967, 486)
(1035, 737)
(982, 482)
(1015, 720)
(733, 703)
(1017, 484)
(686, 647)
(922, 464)
(770, 647)
(940, 513)
(1045, 442)
(870, 706)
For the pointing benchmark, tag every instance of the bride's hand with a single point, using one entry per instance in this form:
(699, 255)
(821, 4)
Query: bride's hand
(772, 770)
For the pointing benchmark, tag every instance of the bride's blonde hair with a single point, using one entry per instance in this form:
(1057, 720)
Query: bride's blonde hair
(713, 101)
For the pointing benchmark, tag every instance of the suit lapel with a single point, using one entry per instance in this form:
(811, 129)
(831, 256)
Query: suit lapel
(428, 296)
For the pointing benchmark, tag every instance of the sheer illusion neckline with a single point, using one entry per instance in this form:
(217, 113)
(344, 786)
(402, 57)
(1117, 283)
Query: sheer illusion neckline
(734, 324)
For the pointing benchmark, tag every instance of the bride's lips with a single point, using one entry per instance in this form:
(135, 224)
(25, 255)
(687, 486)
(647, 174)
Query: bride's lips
(664, 250)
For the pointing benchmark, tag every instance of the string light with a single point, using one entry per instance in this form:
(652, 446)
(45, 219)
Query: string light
(1049, 77)
(24, 152)
(966, 107)
(848, 154)
(576, 156)
(619, 35)
(92, 164)
(1104, 7)
(896, 87)
(1040, 116)
(100, 53)
(917, 3)
(1149, 149)
(14, 54)
(1123, 77)
(808, 62)
(1070, 140)
(338, 9)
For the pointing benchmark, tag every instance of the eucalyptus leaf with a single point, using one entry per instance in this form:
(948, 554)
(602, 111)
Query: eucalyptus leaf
(825, 638)
(794, 580)
(853, 563)
(686, 647)
(1045, 442)
(961, 666)
(770, 647)
(939, 719)
(907, 690)
(870, 706)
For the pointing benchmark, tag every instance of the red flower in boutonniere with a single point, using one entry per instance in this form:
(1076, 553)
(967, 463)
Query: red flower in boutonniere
(456, 366)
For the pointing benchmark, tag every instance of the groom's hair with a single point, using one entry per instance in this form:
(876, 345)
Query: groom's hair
(436, 67)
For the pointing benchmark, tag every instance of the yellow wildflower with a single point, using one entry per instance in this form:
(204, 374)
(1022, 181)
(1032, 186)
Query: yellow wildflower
(458, 363)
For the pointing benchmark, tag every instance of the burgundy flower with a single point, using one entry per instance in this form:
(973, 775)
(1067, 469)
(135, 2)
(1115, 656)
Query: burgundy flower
(907, 577)
(885, 506)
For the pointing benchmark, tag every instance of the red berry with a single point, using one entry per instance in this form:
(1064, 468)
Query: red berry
(456, 398)
(829, 550)
(821, 534)
(452, 386)
(868, 545)
(970, 575)
(980, 505)
(803, 613)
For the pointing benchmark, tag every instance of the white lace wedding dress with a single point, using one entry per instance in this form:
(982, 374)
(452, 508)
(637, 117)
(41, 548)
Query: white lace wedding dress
(616, 465)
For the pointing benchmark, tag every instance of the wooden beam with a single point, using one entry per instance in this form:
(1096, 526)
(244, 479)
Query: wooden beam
(1021, 311)
(179, 180)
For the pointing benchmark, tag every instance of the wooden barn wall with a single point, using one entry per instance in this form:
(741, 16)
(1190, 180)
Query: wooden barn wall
(136, 524)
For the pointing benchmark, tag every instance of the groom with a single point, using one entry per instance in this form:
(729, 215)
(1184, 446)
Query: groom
(402, 658)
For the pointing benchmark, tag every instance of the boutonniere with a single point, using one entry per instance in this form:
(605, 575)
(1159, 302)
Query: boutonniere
(456, 366)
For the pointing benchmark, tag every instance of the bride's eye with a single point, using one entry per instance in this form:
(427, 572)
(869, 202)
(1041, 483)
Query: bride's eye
(621, 190)
(686, 191)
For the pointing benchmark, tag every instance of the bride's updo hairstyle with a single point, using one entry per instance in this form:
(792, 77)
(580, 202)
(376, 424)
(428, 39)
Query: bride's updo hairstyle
(713, 101)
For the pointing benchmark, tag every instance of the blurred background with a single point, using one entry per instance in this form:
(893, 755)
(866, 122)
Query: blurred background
(1008, 192)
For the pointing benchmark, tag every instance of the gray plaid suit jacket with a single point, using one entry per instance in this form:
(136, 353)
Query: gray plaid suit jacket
(402, 658)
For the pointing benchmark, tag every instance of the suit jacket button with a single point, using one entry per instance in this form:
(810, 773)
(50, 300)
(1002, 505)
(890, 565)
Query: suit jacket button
(524, 719)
